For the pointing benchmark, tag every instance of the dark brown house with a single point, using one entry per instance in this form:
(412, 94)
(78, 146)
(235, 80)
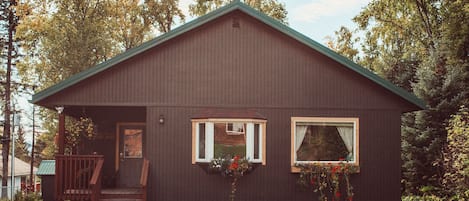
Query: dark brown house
(231, 82)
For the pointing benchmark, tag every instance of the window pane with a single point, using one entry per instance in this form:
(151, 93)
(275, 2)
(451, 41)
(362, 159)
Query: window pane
(235, 128)
(133, 143)
(201, 140)
(230, 139)
(326, 142)
(256, 141)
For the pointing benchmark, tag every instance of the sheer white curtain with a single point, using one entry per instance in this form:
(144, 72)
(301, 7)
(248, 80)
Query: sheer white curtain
(238, 127)
(346, 133)
(300, 135)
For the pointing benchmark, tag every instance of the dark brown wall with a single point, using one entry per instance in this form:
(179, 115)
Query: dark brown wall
(173, 177)
(250, 67)
(218, 65)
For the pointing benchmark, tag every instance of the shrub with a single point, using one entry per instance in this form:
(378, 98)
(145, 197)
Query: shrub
(456, 156)
(422, 198)
(21, 196)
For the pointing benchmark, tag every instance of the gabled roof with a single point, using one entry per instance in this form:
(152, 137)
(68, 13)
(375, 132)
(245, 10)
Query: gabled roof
(235, 5)
(21, 168)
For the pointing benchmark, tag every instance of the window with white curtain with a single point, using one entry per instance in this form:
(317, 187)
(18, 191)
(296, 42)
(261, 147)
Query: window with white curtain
(215, 138)
(324, 140)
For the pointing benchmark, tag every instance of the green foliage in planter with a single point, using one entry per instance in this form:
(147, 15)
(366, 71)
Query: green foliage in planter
(327, 180)
(234, 168)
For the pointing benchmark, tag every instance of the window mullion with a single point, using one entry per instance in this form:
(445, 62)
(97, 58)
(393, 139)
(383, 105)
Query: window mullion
(197, 137)
(209, 140)
(250, 141)
(260, 141)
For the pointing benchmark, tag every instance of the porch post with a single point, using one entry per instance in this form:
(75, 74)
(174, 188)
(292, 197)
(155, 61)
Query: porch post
(61, 143)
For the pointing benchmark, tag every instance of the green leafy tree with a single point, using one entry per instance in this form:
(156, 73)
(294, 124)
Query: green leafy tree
(65, 42)
(443, 83)
(393, 43)
(422, 47)
(21, 149)
(8, 25)
(162, 13)
(135, 21)
(62, 38)
(272, 8)
(343, 43)
(456, 178)
(129, 21)
(45, 146)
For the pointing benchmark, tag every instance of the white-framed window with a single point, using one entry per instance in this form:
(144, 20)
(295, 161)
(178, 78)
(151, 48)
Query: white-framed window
(235, 128)
(324, 140)
(213, 138)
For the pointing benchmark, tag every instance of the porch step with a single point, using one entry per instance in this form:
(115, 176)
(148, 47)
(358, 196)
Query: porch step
(122, 194)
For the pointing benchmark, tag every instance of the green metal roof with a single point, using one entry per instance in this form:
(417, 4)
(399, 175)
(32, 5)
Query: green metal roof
(235, 5)
(47, 167)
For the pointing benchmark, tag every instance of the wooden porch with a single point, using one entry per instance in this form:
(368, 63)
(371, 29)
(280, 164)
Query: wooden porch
(79, 177)
(85, 177)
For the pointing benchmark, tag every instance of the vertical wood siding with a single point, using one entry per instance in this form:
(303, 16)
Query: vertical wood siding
(218, 65)
(173, 177)
(250, 67)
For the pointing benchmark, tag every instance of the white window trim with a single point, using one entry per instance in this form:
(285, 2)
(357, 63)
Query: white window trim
(356, 132)
(209, 138)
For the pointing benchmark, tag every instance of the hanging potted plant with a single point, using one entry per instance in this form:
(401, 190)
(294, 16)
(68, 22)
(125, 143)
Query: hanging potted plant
(77, 130)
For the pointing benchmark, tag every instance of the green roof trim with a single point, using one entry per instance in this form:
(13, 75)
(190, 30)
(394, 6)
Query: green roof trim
(235, 5)
(47, 167)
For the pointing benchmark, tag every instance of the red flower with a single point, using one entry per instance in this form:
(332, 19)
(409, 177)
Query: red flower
(341, 159)
(236, 158)
(234, 166)
(337, 194)
(350, 198)
(312, 181)
(335, 169)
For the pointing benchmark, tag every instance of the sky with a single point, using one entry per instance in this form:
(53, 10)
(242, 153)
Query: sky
(316, 19)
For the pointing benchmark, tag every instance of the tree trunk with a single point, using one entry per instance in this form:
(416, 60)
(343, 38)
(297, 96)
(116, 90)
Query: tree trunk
(6, 126)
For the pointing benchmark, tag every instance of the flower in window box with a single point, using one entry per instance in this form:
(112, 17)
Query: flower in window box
(235, 168)
(328, 179)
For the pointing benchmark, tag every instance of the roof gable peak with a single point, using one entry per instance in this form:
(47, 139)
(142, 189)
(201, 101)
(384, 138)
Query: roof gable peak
(234, 5)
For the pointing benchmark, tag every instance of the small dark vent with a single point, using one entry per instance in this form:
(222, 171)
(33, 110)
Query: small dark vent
(236, 22)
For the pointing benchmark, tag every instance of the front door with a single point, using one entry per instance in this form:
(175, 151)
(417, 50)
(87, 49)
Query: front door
(130, 153)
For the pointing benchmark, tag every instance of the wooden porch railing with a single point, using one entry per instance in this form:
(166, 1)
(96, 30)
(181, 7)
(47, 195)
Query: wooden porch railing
(78, 177)
(95, 183)
(144, 178)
